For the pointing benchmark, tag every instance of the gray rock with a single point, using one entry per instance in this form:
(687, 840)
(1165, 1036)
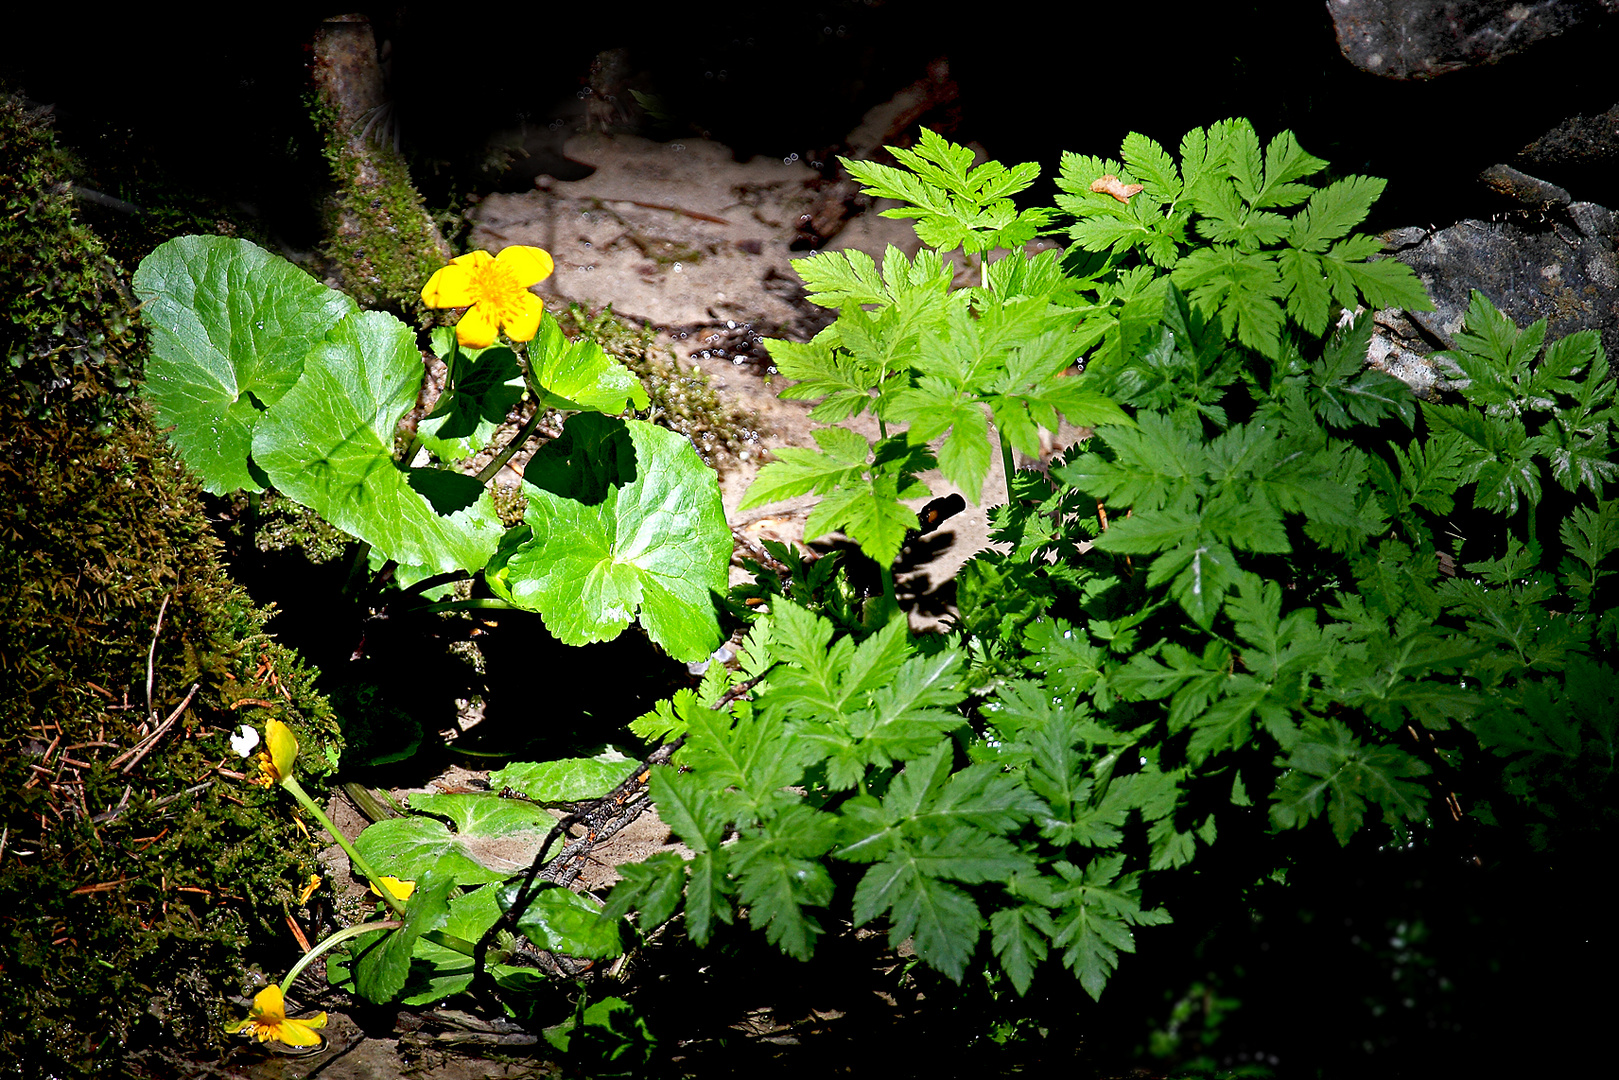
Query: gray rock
(1422, 39)
(1560, 267)
(1531, 191)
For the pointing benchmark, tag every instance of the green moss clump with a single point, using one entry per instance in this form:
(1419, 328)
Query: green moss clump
(65, 326)
(278, 523)
(136, 886)
(682, 399)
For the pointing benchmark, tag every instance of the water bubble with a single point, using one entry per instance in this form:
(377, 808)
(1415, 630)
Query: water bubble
(585, 242)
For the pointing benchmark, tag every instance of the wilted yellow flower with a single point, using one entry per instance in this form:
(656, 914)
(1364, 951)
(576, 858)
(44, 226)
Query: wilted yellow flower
(496, 290)
(268, 1020)
(400, 889)
(275, 764)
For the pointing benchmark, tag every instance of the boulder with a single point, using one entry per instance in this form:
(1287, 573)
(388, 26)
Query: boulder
(1423, 39)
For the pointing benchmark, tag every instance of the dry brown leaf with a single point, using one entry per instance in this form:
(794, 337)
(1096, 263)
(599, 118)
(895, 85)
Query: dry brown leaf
(1108, 184)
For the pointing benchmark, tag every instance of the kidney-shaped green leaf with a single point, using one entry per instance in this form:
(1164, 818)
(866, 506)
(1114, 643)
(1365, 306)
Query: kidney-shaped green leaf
(560, 920)
(231, 325)
(493, 838)
(565, 779)
(626, 518)
(579, 375)
(329, 444)
(483, 386)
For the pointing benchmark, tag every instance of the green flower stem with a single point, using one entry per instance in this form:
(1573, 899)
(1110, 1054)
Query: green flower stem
(336, 939)
(465, 605)
(1006, 464)
(355, 857)
(451, 942)
(487, 473)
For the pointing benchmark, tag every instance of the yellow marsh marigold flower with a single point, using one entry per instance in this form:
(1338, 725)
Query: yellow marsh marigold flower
(400, 889)
(275, 764)
(495, 287)
(268, 1020)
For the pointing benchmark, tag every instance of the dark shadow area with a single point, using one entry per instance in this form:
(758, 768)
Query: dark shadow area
(223, 113)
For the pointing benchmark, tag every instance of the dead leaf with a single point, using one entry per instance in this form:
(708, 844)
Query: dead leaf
(1108, 184)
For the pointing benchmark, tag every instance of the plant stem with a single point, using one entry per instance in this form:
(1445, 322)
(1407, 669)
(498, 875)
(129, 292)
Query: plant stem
(487, 473)
(355, 857)
(336, 939)
(1007, 466)
(466, 605)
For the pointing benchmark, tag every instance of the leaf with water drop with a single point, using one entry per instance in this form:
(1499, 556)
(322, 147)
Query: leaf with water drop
(231, 324)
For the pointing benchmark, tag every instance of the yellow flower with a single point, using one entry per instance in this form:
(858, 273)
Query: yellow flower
(496, 289)
(400, 889)
(268, 1020)
(275, 764)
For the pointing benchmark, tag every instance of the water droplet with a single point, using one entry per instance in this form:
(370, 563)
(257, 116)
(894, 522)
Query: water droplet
(677, 268)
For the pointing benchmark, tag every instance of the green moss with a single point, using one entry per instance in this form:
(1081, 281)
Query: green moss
(682, 399)
(278, 523)
(65, 327)
(134, 892)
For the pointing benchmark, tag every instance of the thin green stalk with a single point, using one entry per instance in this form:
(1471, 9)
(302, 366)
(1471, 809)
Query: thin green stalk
(487, 473)
(468, 605)
(336, 939)
(355, 857)
(357, 567)
(1007, 465)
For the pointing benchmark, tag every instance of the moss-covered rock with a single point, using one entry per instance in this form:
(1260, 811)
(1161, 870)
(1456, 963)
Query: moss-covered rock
(380, 239)
(65, 329)
(139, 875)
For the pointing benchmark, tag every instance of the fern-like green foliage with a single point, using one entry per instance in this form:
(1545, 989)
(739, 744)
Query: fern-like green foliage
(955, 204)
(1246, 232)
(845, 757)
(1269, 594)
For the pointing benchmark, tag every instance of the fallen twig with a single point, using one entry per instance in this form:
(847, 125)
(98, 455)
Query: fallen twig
(146, 745)
(151, 652)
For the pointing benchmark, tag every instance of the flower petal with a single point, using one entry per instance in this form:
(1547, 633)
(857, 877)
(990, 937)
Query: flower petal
(283, 746)
(526, 323)
(530, 265)
(244, 740)
(401, 889)
(301, 1032)
(475, 330)
(451, 286)
(269, 1007)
